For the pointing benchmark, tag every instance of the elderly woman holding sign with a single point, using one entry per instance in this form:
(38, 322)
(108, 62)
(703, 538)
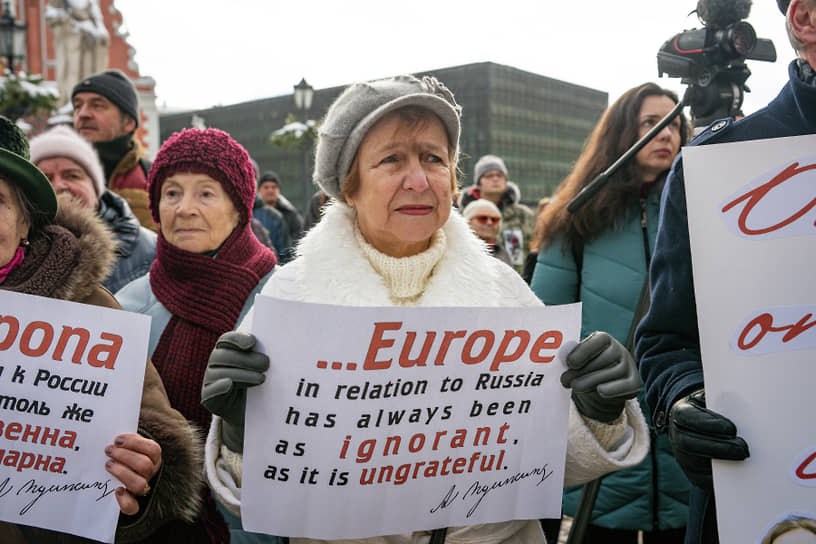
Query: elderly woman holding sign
(60, 250)
(387, 154)
(209, 266)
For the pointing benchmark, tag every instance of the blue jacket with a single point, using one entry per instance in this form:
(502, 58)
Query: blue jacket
(135, 245)
(654, 494)
(667, 340)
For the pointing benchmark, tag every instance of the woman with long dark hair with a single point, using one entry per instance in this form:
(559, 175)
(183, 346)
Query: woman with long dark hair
(600, 257)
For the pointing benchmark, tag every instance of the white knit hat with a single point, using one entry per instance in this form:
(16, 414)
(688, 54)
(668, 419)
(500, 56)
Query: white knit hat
(486, 164)
(62, 141)
(481, 205)
(359, 108)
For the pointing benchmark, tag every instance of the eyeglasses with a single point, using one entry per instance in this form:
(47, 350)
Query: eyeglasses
(483, 219)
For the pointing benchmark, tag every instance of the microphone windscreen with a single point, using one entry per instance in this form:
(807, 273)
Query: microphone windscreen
(721, 13)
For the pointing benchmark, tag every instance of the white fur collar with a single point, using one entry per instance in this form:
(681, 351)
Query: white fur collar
(332, 269)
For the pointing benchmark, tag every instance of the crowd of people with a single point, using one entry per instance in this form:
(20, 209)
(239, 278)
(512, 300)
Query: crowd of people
(192, 237)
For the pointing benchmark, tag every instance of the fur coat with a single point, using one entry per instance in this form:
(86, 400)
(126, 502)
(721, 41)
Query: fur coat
(67, 261)
(332, 268)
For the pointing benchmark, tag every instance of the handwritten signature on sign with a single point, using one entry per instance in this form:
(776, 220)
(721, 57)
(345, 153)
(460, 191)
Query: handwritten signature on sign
(479, 490)
(32, 491)
(777, 208)
(774, 330)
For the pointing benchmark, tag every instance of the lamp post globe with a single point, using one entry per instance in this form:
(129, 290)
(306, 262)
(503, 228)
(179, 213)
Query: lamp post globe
(303, 102)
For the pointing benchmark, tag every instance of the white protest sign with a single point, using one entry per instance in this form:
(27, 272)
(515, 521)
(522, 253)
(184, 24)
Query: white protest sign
(751, 212)
(376, 421)
(71, 379)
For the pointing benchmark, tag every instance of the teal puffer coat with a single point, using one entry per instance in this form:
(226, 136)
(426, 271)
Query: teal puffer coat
(654, 494)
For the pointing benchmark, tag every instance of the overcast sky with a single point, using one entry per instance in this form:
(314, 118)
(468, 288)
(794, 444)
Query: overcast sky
(211, 52)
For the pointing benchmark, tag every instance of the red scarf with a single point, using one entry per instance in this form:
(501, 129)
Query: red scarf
(205, 296)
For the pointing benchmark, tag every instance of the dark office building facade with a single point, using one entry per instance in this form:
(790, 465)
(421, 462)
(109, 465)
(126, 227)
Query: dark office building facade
(535, 123)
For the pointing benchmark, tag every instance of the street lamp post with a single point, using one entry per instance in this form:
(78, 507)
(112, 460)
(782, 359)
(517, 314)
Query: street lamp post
(12, 37)
(303, 102)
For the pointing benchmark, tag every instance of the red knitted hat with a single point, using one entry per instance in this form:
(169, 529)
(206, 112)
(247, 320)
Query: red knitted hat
(212, 152)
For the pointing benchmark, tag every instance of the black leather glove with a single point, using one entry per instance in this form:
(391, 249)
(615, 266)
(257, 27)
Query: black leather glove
(602, 375)
(233, 366)
(698, 435)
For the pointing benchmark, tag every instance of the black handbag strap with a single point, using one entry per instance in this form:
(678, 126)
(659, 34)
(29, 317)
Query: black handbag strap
(640, 312)
(438, 535)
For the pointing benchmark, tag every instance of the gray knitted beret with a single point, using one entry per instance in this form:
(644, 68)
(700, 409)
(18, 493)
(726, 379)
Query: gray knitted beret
(486, 164)
(359, 108)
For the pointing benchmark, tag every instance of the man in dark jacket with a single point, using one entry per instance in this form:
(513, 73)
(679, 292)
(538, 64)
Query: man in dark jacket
(276, 229)
(269, 189)
(72, 166)
(106, 113)
(668, 342)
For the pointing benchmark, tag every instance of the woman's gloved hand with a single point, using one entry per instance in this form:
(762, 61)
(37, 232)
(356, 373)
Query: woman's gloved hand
(233, 366)
(698, 435)
(602, 375)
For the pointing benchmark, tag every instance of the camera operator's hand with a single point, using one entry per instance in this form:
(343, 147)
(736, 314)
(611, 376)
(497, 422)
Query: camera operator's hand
(233, 366)
(602, 375)
(698, 435)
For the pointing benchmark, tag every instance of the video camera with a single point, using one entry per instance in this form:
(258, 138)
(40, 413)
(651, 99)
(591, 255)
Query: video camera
(711, 60)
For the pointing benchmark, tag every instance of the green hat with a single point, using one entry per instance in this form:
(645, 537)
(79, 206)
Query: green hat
(15, 166)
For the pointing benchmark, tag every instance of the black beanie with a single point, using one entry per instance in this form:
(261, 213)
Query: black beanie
(116, 87)
(783, 5)
(269, 175)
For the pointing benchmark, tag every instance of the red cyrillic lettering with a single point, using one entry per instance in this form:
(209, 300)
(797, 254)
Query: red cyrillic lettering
(14, 428)
(11, 335)
(26, 461)
(31, 432)
(25, 339)
(82, 342)
(49, 435)
(111, 352)
(11, 458)
(58, 465)
(42, 462)
(68, 439)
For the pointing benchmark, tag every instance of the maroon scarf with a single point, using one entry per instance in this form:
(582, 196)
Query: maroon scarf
(205, 296)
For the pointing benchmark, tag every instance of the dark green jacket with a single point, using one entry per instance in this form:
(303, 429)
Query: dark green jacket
(654, 494)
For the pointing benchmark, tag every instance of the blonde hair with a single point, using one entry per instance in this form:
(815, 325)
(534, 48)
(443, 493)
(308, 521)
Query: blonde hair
(787, 525)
